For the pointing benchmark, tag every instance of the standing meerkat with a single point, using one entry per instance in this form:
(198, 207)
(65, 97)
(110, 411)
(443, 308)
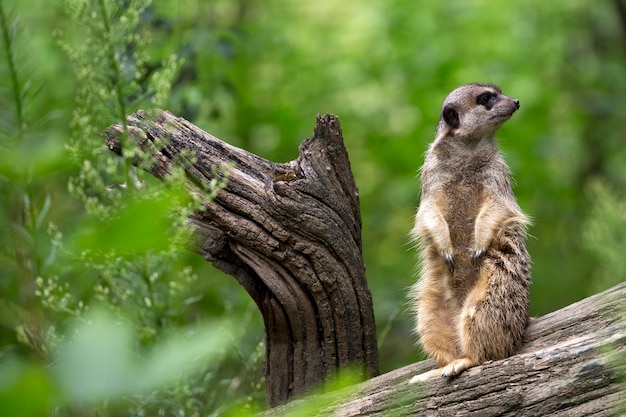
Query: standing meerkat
(471, 300)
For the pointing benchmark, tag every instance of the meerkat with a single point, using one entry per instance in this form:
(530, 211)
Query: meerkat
(471, 299)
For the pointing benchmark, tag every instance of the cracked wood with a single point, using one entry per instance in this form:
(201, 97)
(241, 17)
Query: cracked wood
(290, 233)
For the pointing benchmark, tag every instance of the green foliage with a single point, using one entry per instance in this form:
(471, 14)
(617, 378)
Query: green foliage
(604, 235)
(97, 361)
(84, 228)
(16, 379)
(111, 69)
(98, 364)
(128, 253)
(319, 403)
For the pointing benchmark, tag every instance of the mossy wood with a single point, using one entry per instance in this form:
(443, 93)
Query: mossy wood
(290, 233)
(572, 363)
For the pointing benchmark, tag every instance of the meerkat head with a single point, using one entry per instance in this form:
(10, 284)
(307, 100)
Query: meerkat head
(475, 111)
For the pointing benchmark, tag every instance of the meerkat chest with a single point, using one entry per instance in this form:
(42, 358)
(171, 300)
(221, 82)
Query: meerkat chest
(462, 195)
(462, 200)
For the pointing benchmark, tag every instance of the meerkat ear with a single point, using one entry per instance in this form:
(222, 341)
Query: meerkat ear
(451, 117)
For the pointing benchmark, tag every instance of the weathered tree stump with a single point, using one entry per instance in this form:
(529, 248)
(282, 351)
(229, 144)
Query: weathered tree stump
(573, 364)
(290, 233)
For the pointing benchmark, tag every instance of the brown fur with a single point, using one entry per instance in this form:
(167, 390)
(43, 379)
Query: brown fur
(471, 300)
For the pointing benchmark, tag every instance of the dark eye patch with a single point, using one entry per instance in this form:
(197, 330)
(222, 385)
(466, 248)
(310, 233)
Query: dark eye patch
(486, 99)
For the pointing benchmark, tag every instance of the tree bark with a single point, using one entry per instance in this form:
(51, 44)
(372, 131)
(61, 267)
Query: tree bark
(573, 363)
(290, 233)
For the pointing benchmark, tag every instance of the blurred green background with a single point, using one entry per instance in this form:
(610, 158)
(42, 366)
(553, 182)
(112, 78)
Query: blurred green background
(255, 74)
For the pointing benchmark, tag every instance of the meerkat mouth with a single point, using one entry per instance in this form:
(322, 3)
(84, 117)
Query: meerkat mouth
(502, 116)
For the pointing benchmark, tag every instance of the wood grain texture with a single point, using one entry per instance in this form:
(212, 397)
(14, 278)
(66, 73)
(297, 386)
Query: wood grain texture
(571, 364)
(290, 233)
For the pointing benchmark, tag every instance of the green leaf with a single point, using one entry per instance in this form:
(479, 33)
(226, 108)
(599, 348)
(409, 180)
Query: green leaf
(142, 225)
(96, 362)
(25, 389)
(99, 362)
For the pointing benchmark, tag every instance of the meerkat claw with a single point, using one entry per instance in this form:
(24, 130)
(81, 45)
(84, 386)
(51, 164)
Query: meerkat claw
(477, 254)
(449, 260)
(448, 372)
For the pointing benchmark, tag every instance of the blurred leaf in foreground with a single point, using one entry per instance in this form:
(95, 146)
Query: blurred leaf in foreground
(142, 224)
(99, 360)
(25, 389)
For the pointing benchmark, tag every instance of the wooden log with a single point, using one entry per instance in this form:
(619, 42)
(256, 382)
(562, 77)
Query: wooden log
(290, 233)
(573, 363)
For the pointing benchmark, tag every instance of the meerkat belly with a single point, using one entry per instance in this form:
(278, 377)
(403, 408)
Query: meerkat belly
(462, 202)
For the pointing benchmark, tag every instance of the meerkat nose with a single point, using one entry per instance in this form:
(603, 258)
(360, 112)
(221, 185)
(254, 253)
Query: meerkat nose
(516, 101)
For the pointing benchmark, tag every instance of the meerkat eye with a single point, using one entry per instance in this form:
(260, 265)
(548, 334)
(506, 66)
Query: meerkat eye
(485, 99)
